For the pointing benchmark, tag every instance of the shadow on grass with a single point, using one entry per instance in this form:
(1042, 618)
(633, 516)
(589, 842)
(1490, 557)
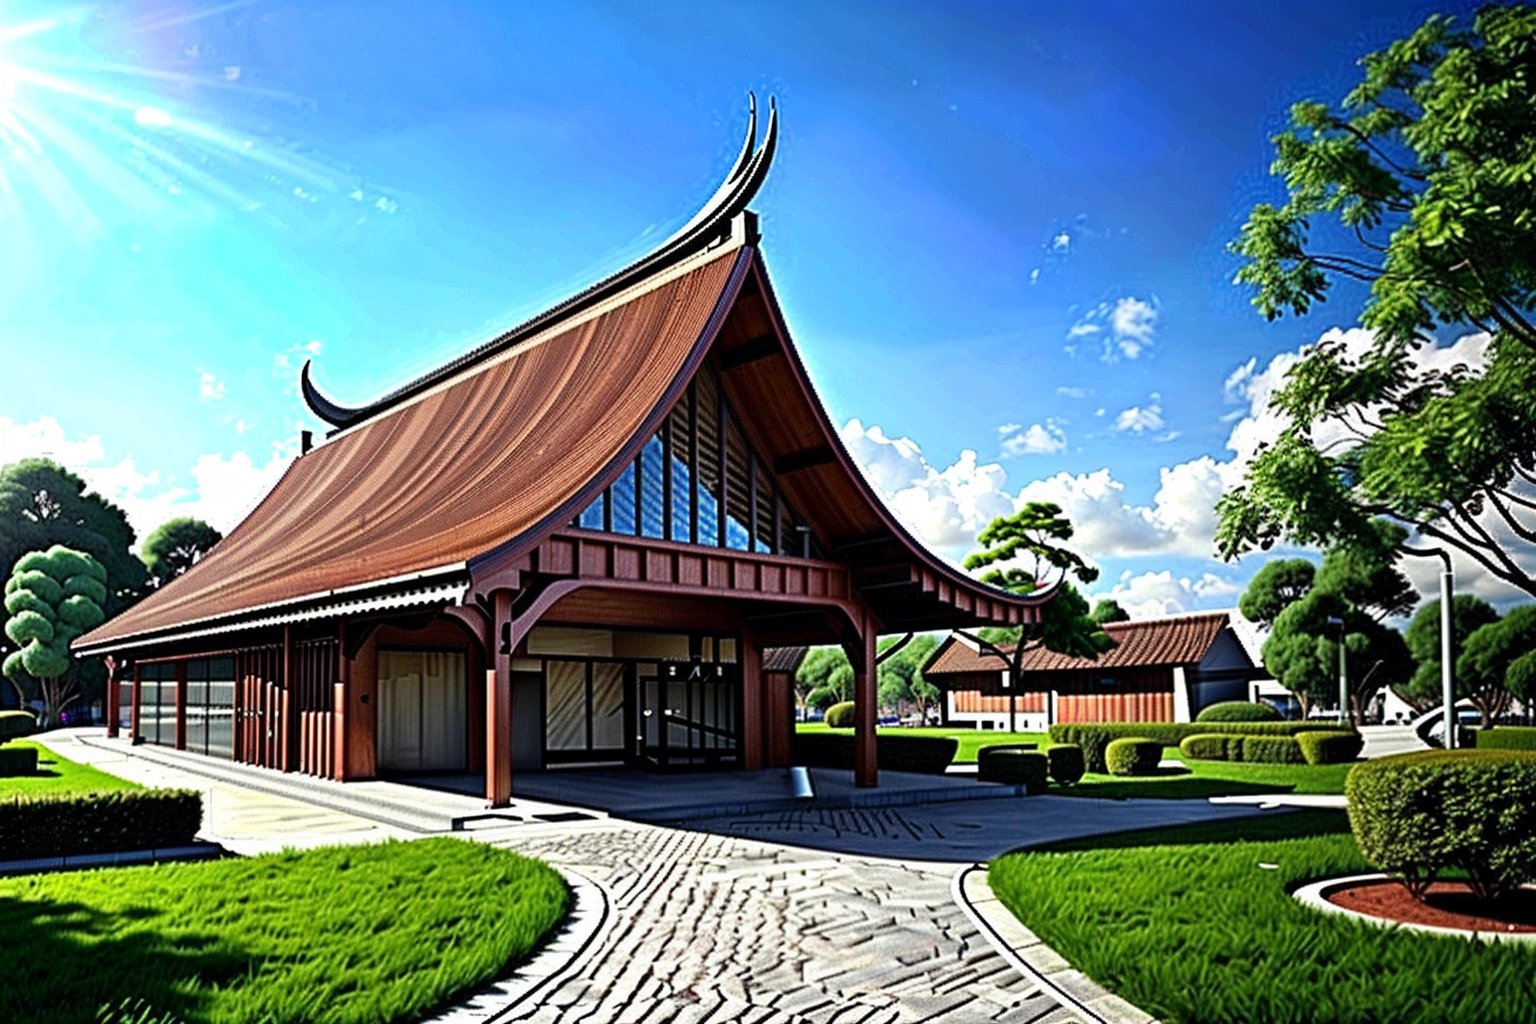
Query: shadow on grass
(1249, 829)
(72, 958)
(1166, 783)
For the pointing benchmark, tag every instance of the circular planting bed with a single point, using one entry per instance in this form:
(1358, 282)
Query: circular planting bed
(1448, 908)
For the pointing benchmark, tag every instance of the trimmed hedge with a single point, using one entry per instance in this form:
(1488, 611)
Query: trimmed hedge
(1506, 737)
(1272, 750)
(1095, 736)
(841, 716)
(1238, 711)
(146, 819)
(1209, 746)
(16, 761)
(1066, 762)
(14, 724)
(1018, 765)
(930, 755)
(1415, 815)
(1133, 755)
(1330, 747)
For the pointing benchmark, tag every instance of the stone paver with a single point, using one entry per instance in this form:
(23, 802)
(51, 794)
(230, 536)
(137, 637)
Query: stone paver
(716, 928)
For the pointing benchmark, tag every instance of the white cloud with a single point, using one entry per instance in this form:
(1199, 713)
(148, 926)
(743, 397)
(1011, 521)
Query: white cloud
(209, 387)
(1152, 594)
(1037, 439)
(1139, 419)
(1067, 392)
(1061, 242)
(1034, 276)
(224, 487)
(1129, 326)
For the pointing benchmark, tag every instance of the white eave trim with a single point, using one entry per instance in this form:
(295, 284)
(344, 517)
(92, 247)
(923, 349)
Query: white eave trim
(324, 604)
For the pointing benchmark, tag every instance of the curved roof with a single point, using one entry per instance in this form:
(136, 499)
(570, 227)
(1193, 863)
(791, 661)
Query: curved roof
(1140, 643)
(488, 455)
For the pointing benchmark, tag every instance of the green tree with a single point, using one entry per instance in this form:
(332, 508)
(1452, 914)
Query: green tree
(901, 677)
(1275, 587)
(174, 546)
(1468, 613)
(1108, 610)
(1427, 167)
(1489, 656)
(51, 598)
(824, 677)
(43, 504)
(1349, 596)
(1035, 537)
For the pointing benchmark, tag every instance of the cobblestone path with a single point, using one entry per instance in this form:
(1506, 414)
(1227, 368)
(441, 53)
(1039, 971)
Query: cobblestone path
(711, 929)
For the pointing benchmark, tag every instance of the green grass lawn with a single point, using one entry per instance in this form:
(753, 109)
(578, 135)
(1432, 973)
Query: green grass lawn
(1190, 925)
(58, 775)
(348, 934)
(970, 739)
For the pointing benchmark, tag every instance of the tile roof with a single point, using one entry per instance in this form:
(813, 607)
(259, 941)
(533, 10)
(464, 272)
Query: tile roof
(1177, 640)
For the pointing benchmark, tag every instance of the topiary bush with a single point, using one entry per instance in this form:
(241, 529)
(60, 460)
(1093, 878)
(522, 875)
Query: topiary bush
(1065, 761)
(66, 826)
(1014, 765)
(1330, 747)
(1238, 711)
(1272, 750)
(841, 715)
(15, 724)
(1133, 755)
(1415, 815)
(1094, 737)
(1209, 746)
(17, 761)
(1506, 737)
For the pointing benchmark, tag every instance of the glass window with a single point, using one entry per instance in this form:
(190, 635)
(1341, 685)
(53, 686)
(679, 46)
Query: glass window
(738, 499)
(653, 507)
(623, 495)
(592, 516)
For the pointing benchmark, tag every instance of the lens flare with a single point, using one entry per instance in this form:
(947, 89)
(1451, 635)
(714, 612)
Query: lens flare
(107, 116)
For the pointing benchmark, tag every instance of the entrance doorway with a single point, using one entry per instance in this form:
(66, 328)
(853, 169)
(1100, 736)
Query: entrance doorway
(422, 720)
(689, 715)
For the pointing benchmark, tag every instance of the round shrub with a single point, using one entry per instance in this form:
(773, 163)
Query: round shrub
(1210, 746)
(1013, 765)
(1238, 711)
(16, 723)
(1330, 747)
(1132, 755)
(1066, 762)
(840, 716)
(1415, 815)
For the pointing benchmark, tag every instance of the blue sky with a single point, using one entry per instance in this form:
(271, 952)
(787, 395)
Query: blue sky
(995, 229)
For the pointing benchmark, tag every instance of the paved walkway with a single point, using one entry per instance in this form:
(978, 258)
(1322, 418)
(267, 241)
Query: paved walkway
(827, 915)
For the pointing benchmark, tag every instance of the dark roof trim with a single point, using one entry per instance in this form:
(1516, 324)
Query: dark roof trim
(707, 227)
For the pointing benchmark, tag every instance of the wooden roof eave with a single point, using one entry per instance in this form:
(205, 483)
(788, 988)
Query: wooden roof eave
(1027, 607)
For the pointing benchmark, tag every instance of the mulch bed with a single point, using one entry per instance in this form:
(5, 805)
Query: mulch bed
(1447, 905)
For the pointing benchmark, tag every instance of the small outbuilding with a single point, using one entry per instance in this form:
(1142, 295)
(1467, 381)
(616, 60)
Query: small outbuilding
(1160, 670)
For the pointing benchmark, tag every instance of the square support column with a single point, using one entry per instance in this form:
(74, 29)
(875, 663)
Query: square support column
(498, 706)
(752, 718)
(114, 694)
(181, 705)
(135, 722)
(866, 693)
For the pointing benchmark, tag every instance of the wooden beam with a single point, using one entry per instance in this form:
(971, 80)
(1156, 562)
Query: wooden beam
(750, 351)
(498, 710)
(805, 458)
(866, 694)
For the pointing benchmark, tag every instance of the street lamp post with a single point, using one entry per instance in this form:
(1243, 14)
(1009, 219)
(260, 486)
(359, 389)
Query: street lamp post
(1447, 696)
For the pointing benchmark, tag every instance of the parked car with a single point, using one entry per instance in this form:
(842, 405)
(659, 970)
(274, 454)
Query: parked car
(1430, 728)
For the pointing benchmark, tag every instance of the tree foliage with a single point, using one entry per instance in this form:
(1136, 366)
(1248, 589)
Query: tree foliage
(1348, 596)
(901, 678)
(43, 504)
(1488, 657)
(51, 598)
(1107, 610)
(1423, 176)
(174, 546)
(1468, 613)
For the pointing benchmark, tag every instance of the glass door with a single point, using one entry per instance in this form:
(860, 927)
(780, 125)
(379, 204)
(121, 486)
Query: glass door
(689, 714)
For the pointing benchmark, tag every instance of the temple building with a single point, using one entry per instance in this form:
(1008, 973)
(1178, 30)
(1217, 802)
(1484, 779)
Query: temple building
(572, 545)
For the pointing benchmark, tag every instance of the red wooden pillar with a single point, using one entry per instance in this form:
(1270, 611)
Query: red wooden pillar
(752, 717)
(181, 705)
(114, 687)
(866, 714)
(287, 735)
(135, 725)
(498, 705)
